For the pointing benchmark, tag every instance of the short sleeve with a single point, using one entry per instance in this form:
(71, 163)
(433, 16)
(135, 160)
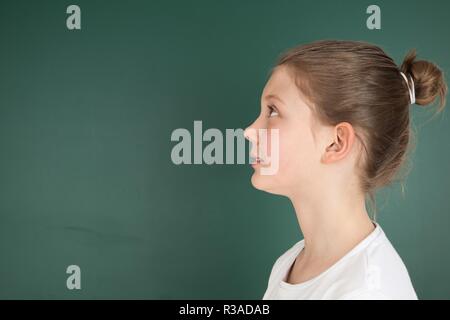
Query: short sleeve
(365, 294)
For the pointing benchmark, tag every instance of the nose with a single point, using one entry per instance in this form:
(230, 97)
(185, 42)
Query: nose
(251, 134)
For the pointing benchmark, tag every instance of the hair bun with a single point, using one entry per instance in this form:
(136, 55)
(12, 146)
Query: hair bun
(429, 82)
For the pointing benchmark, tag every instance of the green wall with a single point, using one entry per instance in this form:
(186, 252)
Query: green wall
(86, 116)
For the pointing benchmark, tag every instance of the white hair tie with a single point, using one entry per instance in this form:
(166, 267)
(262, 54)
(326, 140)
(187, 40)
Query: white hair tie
(412, 93)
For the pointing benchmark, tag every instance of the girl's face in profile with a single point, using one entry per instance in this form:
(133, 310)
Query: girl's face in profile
(283, 108)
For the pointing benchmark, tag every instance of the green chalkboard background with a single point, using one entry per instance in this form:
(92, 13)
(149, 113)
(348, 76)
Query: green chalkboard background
(86, 116)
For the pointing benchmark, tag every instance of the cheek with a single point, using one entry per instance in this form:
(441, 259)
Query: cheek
(296, 151)
(295, 161)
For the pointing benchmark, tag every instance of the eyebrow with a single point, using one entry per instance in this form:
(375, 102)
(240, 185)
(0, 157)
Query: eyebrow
(273, 96)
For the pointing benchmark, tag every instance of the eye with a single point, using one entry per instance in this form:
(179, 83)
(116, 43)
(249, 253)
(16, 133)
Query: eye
(272, 111)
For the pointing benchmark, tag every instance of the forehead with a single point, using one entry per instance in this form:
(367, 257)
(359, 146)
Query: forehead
(282, 84)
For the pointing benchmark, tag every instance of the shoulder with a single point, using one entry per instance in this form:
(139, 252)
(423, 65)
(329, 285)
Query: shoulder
(365, 294)
(281, 263)
(378, 273)
(289, 253)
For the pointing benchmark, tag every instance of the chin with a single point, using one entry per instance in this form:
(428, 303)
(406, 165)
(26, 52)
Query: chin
(265, 183)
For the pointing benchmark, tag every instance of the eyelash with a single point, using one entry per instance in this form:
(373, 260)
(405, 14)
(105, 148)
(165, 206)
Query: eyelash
(272, 109)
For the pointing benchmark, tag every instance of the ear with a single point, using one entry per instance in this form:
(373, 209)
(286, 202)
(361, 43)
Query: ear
(343, 138)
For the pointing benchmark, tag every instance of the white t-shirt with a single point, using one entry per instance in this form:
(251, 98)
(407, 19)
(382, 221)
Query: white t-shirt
(371, 270)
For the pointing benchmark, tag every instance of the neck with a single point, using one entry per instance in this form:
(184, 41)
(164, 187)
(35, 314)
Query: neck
(331, 224)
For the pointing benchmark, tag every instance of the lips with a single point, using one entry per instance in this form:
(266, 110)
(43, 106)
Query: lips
(256, 160)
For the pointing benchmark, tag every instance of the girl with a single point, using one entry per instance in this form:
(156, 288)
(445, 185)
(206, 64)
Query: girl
(341, 110)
